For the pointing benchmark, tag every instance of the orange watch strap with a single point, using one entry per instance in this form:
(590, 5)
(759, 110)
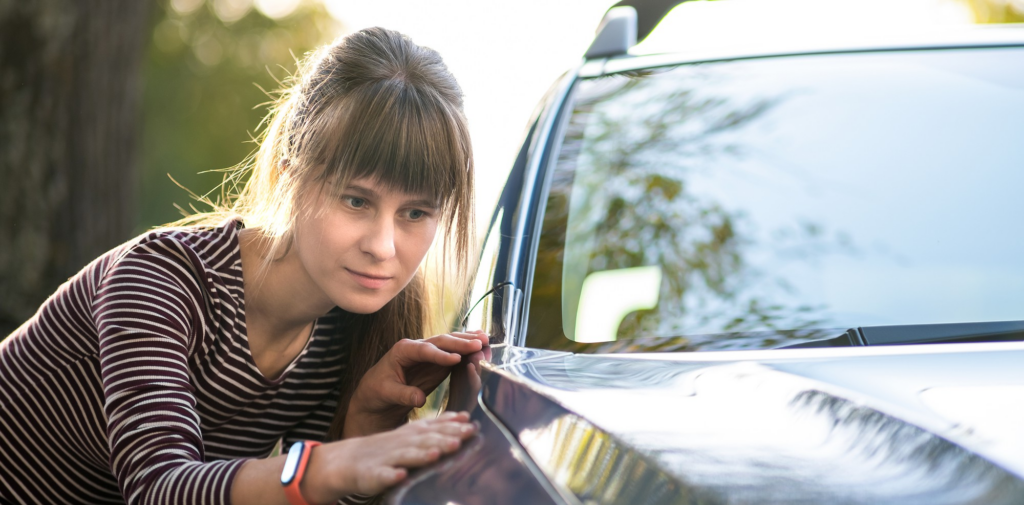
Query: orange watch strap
(291, 491)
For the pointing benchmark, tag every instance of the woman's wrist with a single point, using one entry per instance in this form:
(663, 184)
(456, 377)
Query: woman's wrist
(361, 422)
(355, 419)
(323, 484)
(353, 428)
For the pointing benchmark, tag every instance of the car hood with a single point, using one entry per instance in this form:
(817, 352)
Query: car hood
(901, 424)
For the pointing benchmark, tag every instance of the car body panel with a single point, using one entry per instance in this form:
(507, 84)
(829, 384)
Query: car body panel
(913, 384)
(780, 426)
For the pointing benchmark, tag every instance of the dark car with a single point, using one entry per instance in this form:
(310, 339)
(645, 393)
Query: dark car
(777, 275)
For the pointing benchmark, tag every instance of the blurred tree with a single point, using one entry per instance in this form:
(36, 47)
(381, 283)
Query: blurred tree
(73, 74)
(209, 67)
(997, 11)
(69, 123)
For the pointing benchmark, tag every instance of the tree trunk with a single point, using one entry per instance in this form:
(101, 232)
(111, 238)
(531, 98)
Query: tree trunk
(70, 93)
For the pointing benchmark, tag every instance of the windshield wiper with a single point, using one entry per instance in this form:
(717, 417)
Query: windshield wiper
(994, 331)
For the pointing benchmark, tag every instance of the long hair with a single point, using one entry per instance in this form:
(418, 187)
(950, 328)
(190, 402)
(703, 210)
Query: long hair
(373, 104)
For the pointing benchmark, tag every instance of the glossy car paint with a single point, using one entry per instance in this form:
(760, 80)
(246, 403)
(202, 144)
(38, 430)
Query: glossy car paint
(879, 425)
(490, 468)
(864, 425)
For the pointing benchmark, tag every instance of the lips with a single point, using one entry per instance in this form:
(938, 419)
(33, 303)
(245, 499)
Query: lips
(368, 281)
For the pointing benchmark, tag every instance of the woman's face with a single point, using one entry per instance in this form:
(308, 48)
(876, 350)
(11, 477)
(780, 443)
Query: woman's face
(363, 248)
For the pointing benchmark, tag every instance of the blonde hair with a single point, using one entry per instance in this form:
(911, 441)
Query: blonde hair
(376, 105)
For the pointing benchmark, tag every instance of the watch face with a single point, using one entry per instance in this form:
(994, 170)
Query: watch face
(291, 465)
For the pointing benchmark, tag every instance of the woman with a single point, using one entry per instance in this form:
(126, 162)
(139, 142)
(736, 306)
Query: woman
(167, 369)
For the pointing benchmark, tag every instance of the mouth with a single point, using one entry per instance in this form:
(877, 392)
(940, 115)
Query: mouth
(368, 281)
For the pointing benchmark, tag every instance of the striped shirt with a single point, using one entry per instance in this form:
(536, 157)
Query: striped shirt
(134, 381)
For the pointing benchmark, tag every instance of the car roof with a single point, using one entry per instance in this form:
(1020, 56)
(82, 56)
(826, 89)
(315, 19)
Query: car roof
(686, 36)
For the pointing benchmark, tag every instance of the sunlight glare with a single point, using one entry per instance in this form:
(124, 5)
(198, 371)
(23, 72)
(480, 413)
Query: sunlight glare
(230, 11)
(184, 7)
(276, 9)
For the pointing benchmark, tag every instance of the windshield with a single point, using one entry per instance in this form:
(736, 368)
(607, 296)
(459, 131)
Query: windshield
(752, 203)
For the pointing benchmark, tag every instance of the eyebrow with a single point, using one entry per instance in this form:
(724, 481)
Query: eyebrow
(369, 193)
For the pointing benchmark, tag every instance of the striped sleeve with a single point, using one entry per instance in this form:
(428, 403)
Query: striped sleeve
(149, 312)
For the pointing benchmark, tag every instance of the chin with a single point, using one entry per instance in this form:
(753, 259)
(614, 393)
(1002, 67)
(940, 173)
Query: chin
(363, 306)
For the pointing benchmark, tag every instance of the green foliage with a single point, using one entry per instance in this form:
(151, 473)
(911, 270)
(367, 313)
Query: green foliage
(208, 70)
(996, 11)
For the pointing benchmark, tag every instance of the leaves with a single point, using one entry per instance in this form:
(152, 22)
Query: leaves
(206, 79)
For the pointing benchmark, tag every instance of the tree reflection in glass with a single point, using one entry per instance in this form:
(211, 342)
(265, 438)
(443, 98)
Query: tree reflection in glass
(620, 199)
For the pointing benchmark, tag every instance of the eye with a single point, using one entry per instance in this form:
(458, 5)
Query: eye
(354, 201)
(417, 214)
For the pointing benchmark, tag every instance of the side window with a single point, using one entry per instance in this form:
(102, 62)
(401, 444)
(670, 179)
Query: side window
(480, 299)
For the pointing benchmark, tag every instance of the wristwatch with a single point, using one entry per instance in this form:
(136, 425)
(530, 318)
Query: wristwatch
(295, 468)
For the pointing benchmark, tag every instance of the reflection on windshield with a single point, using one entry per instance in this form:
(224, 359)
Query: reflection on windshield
(599, 315)
(779, 197)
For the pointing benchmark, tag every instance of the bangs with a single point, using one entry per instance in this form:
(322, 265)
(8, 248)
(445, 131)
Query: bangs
(406, 138)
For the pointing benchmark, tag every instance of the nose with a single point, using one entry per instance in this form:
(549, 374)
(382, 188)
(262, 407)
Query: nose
(379, 239)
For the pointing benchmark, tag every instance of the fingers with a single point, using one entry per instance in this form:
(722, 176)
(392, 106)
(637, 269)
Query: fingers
(411, 352)
(396, 475)
(444, 350)
(379, 478)
(477, 335)
(474, 377)
(441, 438)
(449, 424)
(460, 417)
(445, 432)
(386, 457)
(396, 393)
(476, 357)
(461, 343)
(411, 457)
(446, 424)
(440, 441)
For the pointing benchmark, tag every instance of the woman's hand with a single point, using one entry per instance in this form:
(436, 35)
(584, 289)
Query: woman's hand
(369, 465)
(464, 385)
(403, 378)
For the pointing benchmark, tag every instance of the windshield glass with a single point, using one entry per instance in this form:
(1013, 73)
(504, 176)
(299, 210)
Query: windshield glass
(754, 203)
